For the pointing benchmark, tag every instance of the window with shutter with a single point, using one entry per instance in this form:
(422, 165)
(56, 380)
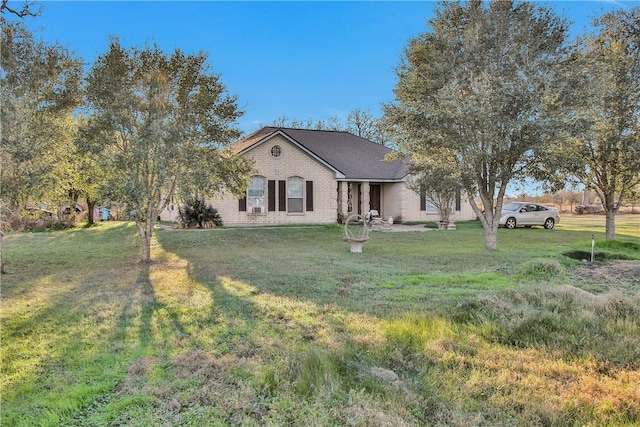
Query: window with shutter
(271, 195)
(295, 193)
(282, 196)
(255, 195)
(309, 204)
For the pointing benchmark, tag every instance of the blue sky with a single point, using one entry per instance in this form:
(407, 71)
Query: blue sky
(303, 60)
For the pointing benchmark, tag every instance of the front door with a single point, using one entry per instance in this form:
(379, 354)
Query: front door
(374, 197)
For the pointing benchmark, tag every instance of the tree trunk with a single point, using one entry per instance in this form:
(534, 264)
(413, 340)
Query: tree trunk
(90, 205)
(491, 236)
(610, 224)
(145, 232)
(611, 209)
(489, 220)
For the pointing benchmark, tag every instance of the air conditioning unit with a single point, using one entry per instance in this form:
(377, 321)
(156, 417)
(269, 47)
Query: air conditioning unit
(256, 209)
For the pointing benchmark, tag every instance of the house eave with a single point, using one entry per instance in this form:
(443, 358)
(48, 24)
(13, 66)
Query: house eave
(345, 179)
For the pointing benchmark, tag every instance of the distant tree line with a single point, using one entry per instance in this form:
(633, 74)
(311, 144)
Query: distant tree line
(358, 122)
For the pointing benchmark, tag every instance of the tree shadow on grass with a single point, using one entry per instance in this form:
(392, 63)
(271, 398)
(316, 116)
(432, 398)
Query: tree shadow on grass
(246, 315)
(62, 255)
(153, 322)
(62, 341)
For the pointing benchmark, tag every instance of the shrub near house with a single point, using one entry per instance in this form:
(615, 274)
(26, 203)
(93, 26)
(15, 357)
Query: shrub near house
(197, 213)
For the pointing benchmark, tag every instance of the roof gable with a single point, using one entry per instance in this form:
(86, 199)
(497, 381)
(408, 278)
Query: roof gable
(351, 156)
(251, 140)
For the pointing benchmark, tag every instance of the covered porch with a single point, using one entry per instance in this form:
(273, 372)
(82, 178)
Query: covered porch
(360, 197)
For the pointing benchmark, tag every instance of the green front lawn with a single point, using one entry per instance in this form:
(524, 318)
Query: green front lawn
(283, 326)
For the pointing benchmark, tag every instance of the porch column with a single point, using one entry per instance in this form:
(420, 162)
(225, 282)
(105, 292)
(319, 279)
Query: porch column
(365, 198)
(343, 199)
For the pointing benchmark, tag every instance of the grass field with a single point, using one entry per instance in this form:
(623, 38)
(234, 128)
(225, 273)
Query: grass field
(283, 326)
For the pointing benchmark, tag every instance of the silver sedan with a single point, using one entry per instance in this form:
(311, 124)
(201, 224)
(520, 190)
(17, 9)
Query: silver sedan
(526, 214)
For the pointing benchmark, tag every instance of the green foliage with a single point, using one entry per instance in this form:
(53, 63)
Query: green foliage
(94, 171)
(411, 333)
(602, 149)
(195, 212)
(164, 121)
(483, 90)
(39, 90)
(436, 178)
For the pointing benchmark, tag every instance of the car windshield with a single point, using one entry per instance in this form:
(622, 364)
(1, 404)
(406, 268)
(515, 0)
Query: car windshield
(511, 207)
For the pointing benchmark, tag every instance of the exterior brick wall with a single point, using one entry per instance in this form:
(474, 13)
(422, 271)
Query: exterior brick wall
(292, 162)
(396, 199)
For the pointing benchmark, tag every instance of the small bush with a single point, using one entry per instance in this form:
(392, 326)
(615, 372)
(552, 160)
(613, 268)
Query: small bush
(197, 213)
(542, 269)
(37, 220)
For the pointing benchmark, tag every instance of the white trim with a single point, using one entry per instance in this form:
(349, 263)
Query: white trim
(372, 180)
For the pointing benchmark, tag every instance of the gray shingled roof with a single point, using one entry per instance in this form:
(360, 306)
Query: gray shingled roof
(356, 158)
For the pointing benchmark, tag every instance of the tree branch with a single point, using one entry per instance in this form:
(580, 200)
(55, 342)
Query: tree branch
(29, 8)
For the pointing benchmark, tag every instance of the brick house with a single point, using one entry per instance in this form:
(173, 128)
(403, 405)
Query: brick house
(321, 177)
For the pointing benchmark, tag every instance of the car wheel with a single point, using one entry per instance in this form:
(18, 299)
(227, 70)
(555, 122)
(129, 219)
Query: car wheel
(549, 223)
(510, 223)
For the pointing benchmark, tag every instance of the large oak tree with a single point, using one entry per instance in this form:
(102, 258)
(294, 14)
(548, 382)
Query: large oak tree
(485, 83)
(603, 150)
(165, 120)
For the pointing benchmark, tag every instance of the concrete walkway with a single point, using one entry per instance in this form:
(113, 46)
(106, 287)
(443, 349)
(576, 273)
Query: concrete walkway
(402, 227)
